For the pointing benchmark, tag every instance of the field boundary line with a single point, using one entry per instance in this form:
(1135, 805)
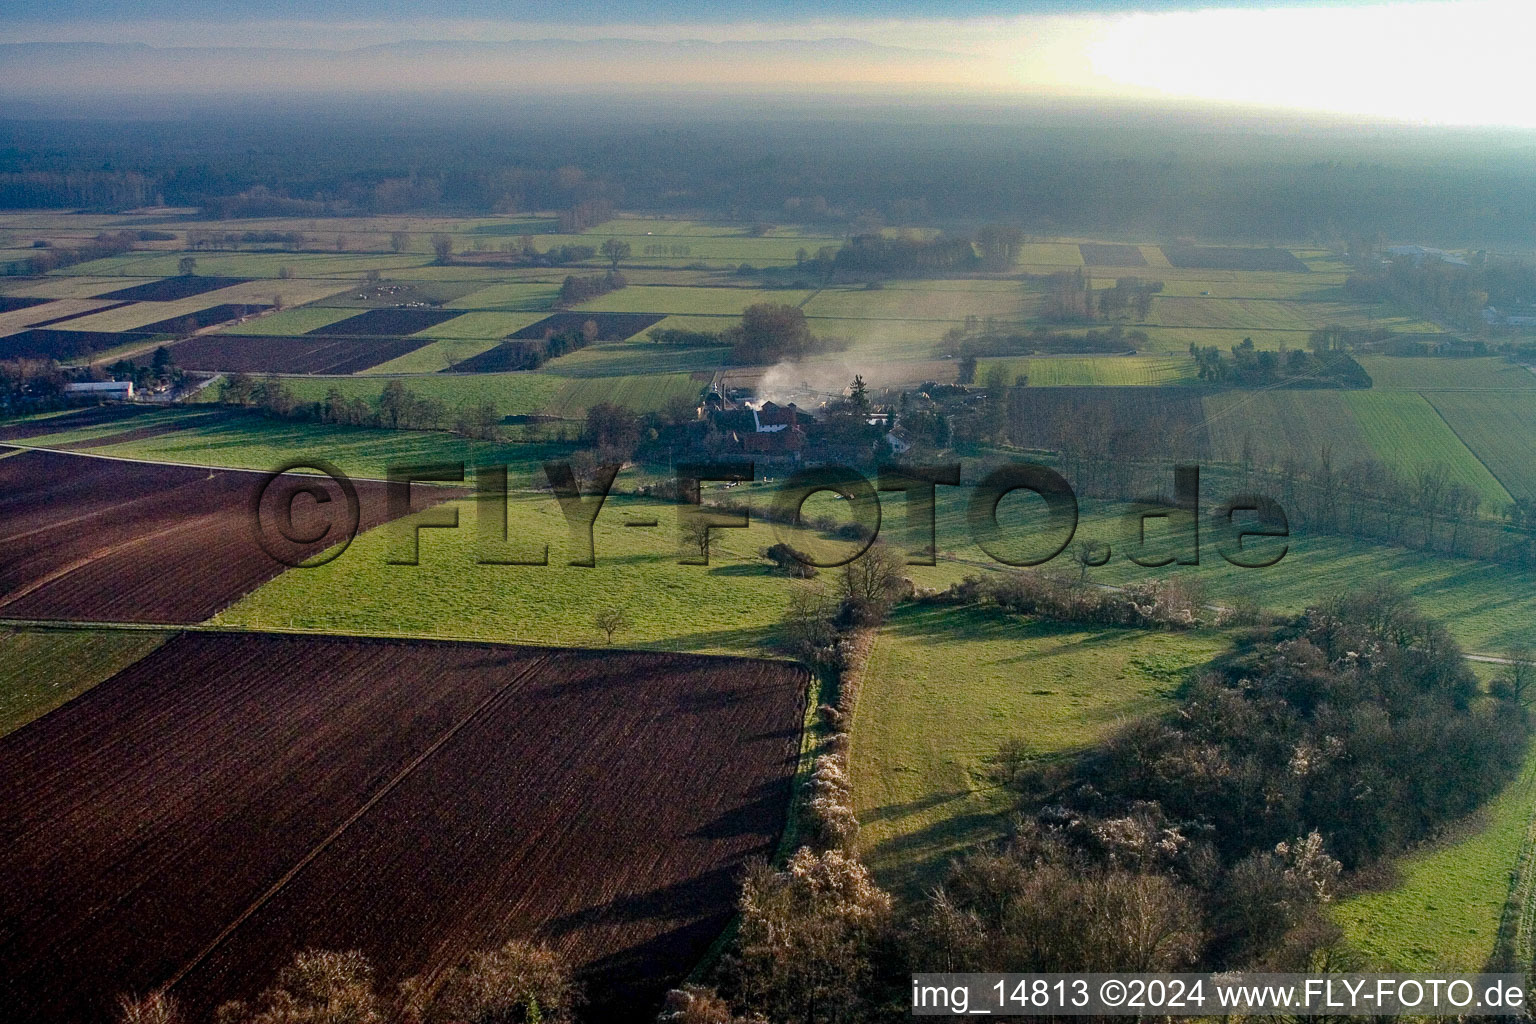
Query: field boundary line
(1470, 450)
(537, 663)
(20, 447)
(1514, 944)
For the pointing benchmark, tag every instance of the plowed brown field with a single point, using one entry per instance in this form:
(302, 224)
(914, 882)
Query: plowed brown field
(105, 540)
(233, 798)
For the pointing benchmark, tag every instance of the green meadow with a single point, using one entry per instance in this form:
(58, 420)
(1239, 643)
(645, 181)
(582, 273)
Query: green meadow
(42, 668)
(945, 688)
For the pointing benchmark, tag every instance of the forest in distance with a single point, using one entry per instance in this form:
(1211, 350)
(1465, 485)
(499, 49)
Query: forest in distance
(1060, 167)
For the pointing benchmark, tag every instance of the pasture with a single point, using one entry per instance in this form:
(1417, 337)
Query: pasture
(1093, 371)
(1409, 435)
(946, 688)
(1500, 429)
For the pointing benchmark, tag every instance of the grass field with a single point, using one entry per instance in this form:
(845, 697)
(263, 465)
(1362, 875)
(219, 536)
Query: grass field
(1248, 313)
(42, 668)
(21, 319)
(138, 314)
(1444, 912)
(945, 687)
(291, 321)
(1409, 435)
(1088, 371)
(1273, 424)
(635, 356)
(912, 300)
(432, 358)
(641, 393)
(480, 325)
(1258, 284)
(250, 441)
(60, 287)
(730, 606)
(511, 393)
(690, 300)
(1500, 428)
(1486, 606)
(1432, 374)
(517, 297)
(248, 264)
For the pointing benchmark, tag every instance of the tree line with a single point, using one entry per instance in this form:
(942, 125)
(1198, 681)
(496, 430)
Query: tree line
(1327, 366)
(518, 983)
(579, 289)
(397, 407)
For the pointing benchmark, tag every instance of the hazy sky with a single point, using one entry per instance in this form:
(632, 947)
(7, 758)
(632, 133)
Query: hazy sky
(1452, 61)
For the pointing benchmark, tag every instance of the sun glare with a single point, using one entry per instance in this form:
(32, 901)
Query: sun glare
(1446, 63)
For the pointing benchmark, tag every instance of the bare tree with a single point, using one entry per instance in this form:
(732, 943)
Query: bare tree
(521, 981)
(871, 581)
(399, 241)
(610, 620)
(319, 987)
(807, 936)
(155, 1008)
(695, 1004)
(442, 246)
(615, 250)
(186, 266)
(1517, 675)
(696, 536)
(1089, 554)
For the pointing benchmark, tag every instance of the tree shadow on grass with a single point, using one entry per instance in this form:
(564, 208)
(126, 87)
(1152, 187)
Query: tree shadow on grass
(918, 860)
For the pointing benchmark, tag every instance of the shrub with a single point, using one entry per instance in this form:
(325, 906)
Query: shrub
(155, 1008)
(517, 984)
(786, 561)
(319, 987)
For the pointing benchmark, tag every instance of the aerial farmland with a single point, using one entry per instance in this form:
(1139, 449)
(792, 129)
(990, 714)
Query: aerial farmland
(591, 559)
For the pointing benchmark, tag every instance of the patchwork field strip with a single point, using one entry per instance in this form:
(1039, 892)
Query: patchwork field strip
(1103, 254)
(171, 289)
(41, 343)
(386, 322)
(310, 353)
(106, 540)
